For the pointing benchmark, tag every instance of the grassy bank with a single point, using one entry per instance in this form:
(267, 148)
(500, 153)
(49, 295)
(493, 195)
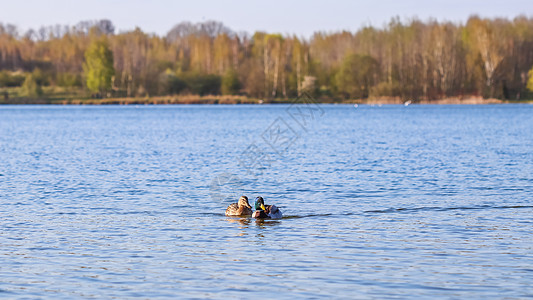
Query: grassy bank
(230, 100)
(73, 96)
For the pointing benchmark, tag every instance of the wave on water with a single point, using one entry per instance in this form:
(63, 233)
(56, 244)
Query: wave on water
(407, 210)
(301, 216)
(311, 215)
(437, 208)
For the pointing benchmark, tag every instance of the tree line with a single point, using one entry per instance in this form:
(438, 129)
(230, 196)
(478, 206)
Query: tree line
(492, 58)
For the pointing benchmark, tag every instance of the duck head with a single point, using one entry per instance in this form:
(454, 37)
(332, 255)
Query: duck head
(259, 203)
(243, 201)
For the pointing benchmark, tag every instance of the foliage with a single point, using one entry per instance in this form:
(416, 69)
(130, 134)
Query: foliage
(201, 84)
(530, 80)
(385, 89)
(356, 75)
(98, 66)
(230, 83)
(31, 88)
(68, 80)
(410, 60)
(39, 77)
(8, 79)
(172, 84)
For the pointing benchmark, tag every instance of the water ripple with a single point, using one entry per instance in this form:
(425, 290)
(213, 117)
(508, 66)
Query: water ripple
(379, 202)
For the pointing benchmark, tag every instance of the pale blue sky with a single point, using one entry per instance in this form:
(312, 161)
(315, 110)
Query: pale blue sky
(298, 16)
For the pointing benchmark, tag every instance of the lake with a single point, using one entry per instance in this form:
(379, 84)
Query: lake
(378, 201)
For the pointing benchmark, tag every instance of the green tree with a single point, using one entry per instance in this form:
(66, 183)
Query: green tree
(357, 75)
(199, 84)
(31, 88)
(170, 84)
(98, 66)
(530, 80)
(487, 43)
(230, 83)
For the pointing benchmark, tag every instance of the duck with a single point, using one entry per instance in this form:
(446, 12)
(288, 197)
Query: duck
(241, 208)
(266, 211)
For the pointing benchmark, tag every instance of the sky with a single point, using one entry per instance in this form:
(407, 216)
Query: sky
(299, 17)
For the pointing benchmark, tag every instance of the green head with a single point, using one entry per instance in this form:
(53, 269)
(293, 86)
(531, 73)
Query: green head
(259, 203)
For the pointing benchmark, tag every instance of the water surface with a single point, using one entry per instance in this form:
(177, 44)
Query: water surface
(379, 202)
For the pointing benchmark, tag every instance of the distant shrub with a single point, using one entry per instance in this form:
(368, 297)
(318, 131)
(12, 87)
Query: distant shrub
(39, 77)
(68, 80)
(385, 89)
(201, 84)
(230, 83)
(8, 79)
(357, 74)
(170, 84)
(30, 87)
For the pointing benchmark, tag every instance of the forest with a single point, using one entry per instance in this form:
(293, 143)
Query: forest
(406, 60)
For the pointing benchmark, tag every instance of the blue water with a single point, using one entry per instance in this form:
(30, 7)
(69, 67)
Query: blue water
(378, 202)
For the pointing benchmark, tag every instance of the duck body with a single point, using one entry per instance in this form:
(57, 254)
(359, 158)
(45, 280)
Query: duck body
(273, 212)
(260, 214)
(266, 211)
(241, 208)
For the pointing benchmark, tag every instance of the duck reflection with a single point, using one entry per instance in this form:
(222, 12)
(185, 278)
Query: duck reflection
(243, 221)
(266, 223)
(243, 224)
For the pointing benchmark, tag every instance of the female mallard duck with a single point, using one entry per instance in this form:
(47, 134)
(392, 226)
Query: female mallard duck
(266, 211)
(241, 208)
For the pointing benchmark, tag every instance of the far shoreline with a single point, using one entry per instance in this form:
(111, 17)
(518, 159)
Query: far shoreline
(233, 100)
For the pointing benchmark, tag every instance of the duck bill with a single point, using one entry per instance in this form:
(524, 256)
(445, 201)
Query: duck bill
(263, 207)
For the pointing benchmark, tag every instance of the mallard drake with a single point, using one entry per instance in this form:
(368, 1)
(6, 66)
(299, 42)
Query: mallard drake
(241, 208)
(266, 211)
